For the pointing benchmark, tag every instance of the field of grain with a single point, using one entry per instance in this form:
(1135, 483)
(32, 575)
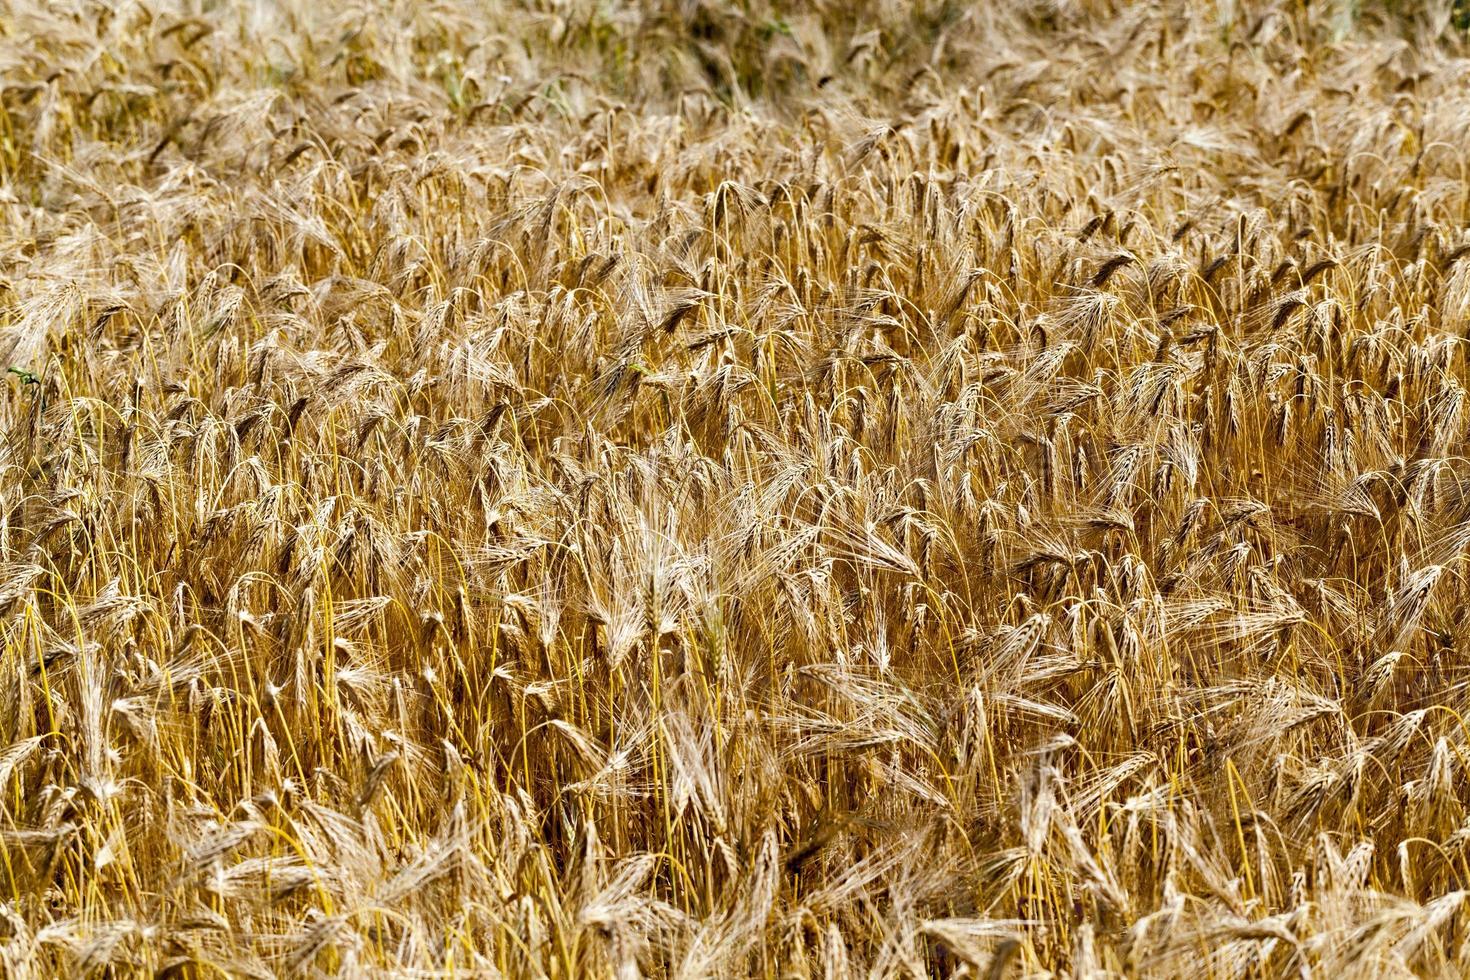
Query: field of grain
(721, 488)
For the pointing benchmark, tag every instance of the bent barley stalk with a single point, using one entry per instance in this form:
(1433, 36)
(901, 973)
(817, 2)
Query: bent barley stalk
(733, 489)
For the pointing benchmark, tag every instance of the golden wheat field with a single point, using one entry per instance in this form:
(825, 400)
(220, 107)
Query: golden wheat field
(724, 488)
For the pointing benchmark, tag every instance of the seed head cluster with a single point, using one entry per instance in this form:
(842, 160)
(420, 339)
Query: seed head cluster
(721, 488)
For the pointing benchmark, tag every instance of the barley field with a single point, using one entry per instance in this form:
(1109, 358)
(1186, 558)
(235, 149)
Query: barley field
(734, 488)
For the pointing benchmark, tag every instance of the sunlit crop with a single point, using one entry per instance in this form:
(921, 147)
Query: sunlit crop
(721, 488)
